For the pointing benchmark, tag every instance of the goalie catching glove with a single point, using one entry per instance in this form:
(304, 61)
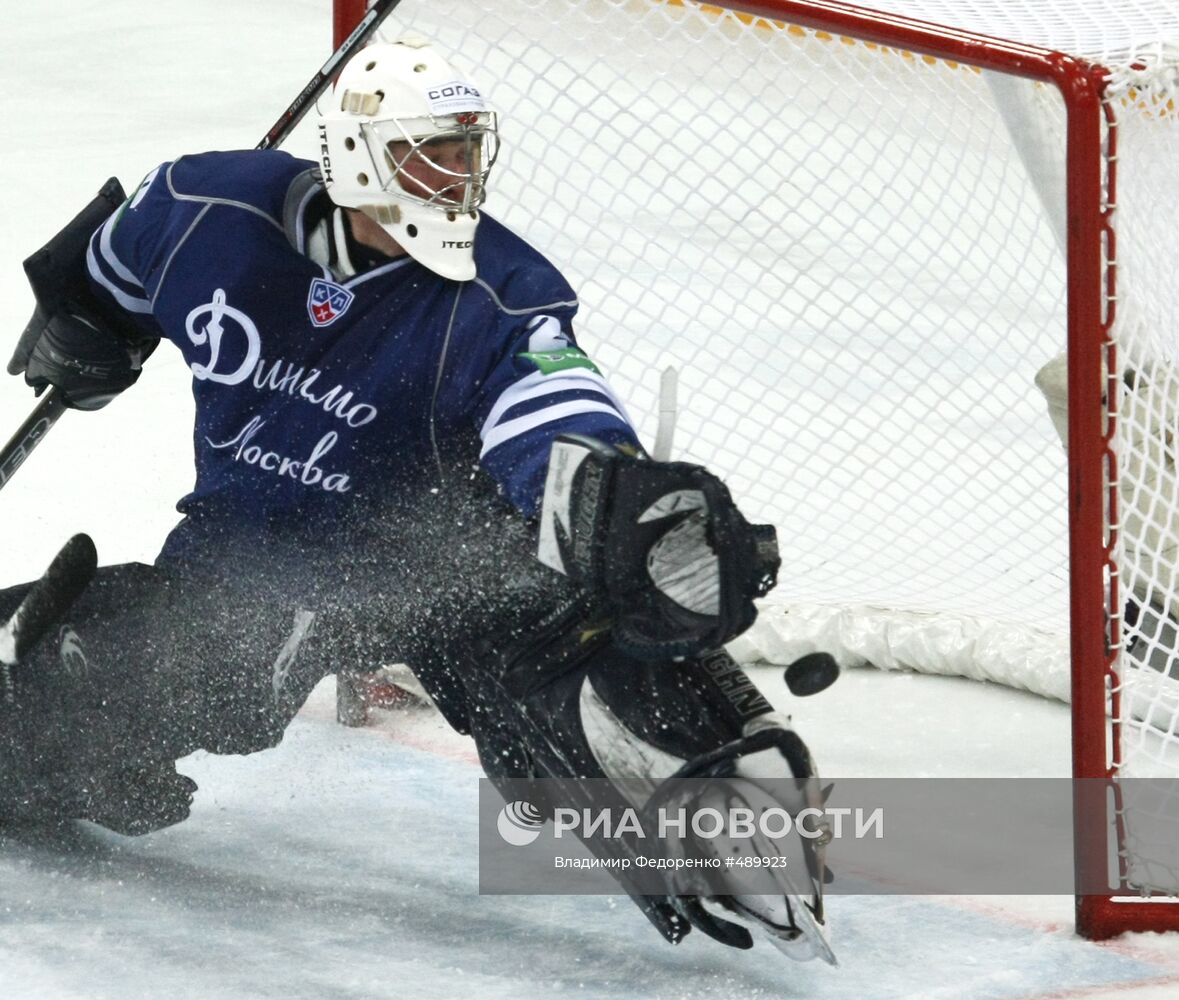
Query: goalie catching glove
(71, 342)
(662, 543)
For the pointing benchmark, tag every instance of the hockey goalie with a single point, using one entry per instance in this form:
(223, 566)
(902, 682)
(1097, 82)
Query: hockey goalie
(402, 455)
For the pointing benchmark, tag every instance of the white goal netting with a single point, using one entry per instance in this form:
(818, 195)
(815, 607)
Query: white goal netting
(854, 258)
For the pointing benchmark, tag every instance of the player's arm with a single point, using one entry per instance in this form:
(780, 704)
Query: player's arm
(544, 386)
(660, 544)
(79, 339)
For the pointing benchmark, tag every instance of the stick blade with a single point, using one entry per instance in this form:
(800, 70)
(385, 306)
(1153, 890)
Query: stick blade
(50, 597)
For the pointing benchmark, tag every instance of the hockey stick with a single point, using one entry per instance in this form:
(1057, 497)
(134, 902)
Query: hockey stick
(36, 425)
(46, 413)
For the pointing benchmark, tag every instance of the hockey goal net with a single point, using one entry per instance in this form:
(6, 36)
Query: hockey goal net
(859, 239)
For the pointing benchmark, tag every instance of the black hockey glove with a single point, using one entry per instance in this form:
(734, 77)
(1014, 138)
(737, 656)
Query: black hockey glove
(662, 543)
(89, 353)
(88, 365)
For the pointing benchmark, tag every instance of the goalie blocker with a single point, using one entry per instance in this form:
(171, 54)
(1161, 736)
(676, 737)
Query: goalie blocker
(662, 543)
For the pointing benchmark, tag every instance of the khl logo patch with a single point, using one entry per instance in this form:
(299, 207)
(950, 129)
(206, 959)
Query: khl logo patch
(327, 301)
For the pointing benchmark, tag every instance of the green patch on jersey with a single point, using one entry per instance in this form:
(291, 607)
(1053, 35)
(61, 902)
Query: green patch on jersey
(548, 362)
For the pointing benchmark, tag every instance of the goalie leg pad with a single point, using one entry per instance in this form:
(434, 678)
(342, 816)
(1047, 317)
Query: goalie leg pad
(575, 706)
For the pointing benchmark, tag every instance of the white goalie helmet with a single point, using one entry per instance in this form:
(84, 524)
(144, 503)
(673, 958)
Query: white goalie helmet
(409, 142)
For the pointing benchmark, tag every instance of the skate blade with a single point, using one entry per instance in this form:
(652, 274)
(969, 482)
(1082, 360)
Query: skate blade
(804, 941)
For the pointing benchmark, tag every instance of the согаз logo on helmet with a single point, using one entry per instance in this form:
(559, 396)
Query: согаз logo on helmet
(453, 90)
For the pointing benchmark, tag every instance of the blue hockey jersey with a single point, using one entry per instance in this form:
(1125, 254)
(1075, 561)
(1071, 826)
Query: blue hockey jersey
(314, 391)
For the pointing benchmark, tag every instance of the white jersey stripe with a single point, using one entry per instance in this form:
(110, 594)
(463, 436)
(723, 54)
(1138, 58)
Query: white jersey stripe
(130, 303)
(540, 384)
(521, 425)
(108, 253)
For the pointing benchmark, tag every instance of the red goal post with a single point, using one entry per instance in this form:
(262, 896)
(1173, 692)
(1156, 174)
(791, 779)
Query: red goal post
(1100, 100)
(346, 15)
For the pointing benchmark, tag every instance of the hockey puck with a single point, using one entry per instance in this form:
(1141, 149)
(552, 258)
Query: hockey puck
(811, 674)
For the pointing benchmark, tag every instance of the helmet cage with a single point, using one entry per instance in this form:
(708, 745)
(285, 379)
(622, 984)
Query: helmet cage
(397, 145)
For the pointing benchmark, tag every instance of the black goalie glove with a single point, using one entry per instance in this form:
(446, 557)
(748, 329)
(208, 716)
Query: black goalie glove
(89, 353)
(662, 543)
